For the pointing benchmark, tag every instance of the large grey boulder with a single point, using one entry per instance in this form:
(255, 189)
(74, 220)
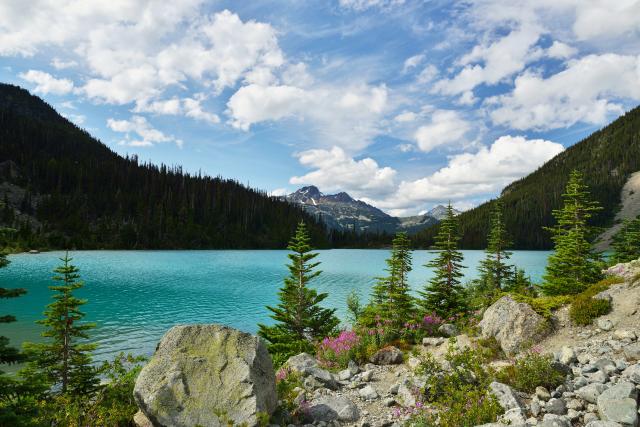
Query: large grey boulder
(590, 392)
(619, 404)
(389, 355)
(207, 375)
(513, 324)
(333, 408)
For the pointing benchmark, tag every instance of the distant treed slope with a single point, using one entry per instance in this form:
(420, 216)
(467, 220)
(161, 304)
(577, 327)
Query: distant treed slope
(607, 159)
(80, 194)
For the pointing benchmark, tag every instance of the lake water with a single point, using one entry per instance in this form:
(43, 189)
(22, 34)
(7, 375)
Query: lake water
(135, 296)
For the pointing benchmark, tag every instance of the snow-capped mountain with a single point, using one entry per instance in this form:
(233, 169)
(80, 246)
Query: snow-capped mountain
(341, 211)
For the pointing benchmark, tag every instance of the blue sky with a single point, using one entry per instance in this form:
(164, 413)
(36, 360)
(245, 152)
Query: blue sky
(405, 104)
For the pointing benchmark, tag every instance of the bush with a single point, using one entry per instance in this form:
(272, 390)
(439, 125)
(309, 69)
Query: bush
(336, 352)
(544, 306)
(459, 395)
(531, 371)
(289, 412)
(585, 309)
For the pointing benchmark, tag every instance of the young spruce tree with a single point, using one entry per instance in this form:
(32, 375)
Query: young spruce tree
(444, 294)
(300, 320)
(8, 354)
(495, 273)
(391, 298)
(574, 265)
(64, 359)
(626, 242)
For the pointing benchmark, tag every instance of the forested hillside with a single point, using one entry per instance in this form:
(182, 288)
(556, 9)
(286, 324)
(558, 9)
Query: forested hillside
(606, 158)
(61, 188)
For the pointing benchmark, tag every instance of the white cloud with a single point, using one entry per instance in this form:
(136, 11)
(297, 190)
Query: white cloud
(59, 64)
(447, 127)
(138, 125)
(46, 83)
(345, 116)
(361, 5)
(561, 50)
(580, 93)
(477, 174)
(279, 192)
(412, 62)
(336, 171)
(490, 63)
(427, 74)
(406, 116)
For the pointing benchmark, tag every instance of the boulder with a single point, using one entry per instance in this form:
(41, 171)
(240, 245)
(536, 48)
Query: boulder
(505, 395)
(556, 406)
(368, 393)
(207, 375)
(567, 355)
(624, 334)
(632, 373)
(307, 366)
(333, 408)
(632, 351)
(387, 356)
(590, 392)
(514, 325)
(432, 341)
(619, 404)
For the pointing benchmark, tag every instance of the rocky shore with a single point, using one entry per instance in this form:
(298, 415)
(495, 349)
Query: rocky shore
(211, 375)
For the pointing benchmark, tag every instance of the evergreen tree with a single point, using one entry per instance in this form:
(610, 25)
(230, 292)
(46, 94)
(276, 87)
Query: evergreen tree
(65, 358)
(574, 265)
(626, 242)
(300, 320)
(391, 298)
(495, 273)
(444, 294)
(8, 354)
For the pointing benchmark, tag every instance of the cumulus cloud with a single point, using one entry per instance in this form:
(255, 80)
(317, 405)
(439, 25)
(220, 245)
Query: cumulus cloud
(334, 170)
(344, 116)
(490, 63)
(146, 134)
(561, 50)
(470, 175)
(580, 93)
(46, 83)
(446, 127)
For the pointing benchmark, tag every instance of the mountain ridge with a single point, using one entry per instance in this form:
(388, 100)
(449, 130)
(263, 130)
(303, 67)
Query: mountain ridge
(340, 211)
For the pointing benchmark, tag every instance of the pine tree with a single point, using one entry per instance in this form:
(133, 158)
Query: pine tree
(300, 320)
(495, 273)
(574, 265)
(626, 242)
(391, 298)
(8, 354)
(65, 358)
(444, 294)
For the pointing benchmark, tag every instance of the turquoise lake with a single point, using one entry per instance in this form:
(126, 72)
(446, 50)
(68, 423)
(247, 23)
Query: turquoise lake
(135, 296)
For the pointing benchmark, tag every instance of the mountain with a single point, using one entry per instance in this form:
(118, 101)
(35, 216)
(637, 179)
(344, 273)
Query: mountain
(607, 159)
(342, 212)
(62, 188)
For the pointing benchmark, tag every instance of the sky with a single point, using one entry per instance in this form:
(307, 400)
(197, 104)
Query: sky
(404, 104)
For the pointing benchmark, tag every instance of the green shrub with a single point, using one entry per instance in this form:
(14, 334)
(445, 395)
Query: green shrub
(585, 309)
(531, 371)
(459, 395)
(544, 306)
(465, 406)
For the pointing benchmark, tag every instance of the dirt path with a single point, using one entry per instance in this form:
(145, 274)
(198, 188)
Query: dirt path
(630, 197)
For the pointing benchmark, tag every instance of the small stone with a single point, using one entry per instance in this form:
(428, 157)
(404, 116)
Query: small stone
(589, 417)
(624, 334)
(366, 376)
(598, 377)
(632, 373)
(556, 406)
(333, 408)
(590, 392)
(353, 367)
(535, 407)
(368, 393)
(599, 423)
(344, 375)
(413, 362)
(141, 420)
(632, 351)
(387, 356)
(575, 404)
(389, 401)
(448, 330)
(505, 395)
(432, 341)
(553, 420)
(605, 324)
(567, 355)
(542, 393)
(394, 389)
